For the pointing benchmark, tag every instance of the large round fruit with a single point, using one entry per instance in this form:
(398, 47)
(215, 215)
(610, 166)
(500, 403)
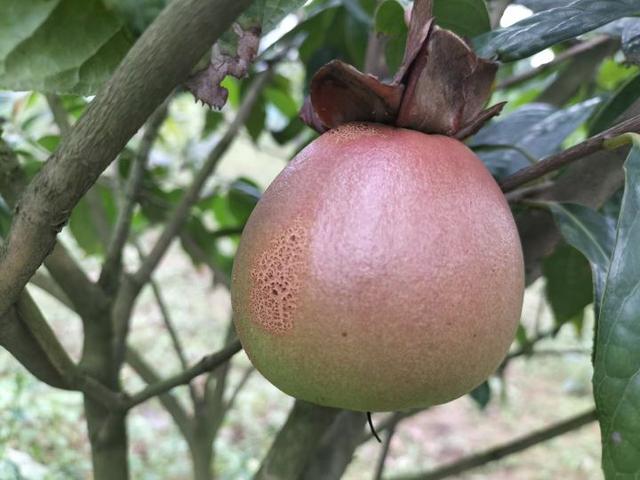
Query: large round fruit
(382, 270)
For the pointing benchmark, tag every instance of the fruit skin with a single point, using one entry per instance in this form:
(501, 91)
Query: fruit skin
(381, 270)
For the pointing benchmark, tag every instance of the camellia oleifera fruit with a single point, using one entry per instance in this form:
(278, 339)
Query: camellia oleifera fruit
(381, 270)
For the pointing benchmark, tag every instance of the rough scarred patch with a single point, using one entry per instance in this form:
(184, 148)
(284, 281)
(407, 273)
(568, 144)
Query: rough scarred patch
(276, 282)
(352, 131)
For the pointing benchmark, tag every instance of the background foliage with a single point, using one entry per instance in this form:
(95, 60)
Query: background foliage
(569, 71)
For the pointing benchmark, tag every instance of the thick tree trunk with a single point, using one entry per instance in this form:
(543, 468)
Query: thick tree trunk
(201, 449)
(108, 437)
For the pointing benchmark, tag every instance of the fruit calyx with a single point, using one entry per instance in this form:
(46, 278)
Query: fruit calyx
(441, 86)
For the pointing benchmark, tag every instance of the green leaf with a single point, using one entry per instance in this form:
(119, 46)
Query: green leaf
(59, 46)
(288, 133)
(568, 283)
(265, 14)
(481, 395)
(212, 120)
(257, 117)
(617, 354)
(242, 197)
(83, 223)
(549, 27)
(283, 101)
(389, 20)
(592, 234)
(535, 130)
(615, 106)
(467, 18)
(49, 142)
(138, 14)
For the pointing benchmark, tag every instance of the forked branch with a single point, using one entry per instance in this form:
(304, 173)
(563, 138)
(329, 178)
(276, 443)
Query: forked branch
(207, 364)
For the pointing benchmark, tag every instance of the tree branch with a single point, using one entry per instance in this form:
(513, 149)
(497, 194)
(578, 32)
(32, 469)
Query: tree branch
(113, 258)
(559, 160)
(515, 446)
(337, 446)
(296, 441)
(384, 452)
(47, 284)
(238, 388)
(161, 59)
(86, 298)
(168, 400)
(194, 250)
(207, 364)
(133, 284)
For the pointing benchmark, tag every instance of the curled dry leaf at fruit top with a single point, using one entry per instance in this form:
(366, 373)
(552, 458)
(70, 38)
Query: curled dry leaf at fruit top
(205, 84)
(441, 86)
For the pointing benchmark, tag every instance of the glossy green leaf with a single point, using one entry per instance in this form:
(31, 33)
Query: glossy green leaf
(549, 27)
(481, 395)
(592, 234)
(540, 5)
(255, 122)
(615, 106)
(617, 357)
(568, 283)
(467, 18)
(243, 195)
(138, 14)
(49, 142)
(84, 222)
(631, 41)
(61, 46)
(535, 130)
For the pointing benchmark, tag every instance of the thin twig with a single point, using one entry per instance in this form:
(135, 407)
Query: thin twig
(133, 284)
(505, 146)
(558, 59)
(166, 316)
(524, 192)
(391, 419)
(207, 364)
(527, 348)
(170, 402)
(564, 158)
(386, 445)
(179, 216)
(47, 284)
(496, 453)
(239, 386)
(113, 258)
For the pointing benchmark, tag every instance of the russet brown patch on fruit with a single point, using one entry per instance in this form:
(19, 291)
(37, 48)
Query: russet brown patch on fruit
(352, 131)
(275, 280)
